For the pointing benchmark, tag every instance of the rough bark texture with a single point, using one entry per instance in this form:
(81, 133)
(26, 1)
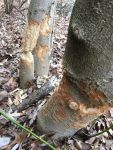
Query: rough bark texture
(89, 52)
(86, 88)
(37, 36)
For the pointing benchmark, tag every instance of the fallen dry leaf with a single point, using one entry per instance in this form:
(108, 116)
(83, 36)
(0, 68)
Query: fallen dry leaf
(11, 84)
(4, 140)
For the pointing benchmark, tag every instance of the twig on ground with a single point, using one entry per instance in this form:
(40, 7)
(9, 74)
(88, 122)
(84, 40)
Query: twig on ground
(37, 95)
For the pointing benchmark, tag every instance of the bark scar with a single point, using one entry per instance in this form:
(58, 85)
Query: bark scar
(41, 52)
(30, 36)
(44, 26)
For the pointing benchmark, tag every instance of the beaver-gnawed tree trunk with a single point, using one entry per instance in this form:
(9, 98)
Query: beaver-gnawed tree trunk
(86, 89)
(37, 37)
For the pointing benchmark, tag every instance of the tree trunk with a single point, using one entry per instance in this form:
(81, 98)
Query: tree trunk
(26, 72)
(8, 6)
(86, 89)
(44, 44)
(37, 36)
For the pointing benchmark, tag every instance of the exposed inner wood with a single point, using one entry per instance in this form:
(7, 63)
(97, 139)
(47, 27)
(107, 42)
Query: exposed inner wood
(44, 26)
(31, 35)
(70, 108)
(41, 52)
(26, 68)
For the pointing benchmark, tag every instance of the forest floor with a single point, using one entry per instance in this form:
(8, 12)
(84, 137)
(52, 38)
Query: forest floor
(11, 137)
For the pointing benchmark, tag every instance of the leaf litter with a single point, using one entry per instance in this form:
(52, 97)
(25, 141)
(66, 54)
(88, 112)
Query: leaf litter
(11, 137)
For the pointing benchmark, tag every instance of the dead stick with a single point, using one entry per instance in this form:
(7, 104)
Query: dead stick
(36, 96)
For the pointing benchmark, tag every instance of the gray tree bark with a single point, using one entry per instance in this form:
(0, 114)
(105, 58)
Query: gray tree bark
(44, 43)
(86, 89)
(37, 37)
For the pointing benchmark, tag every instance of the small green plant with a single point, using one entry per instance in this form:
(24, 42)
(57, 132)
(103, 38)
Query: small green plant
(25, 129)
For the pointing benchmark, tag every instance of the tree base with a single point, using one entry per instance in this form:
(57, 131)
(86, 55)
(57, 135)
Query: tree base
(26, 73)
(70, 108)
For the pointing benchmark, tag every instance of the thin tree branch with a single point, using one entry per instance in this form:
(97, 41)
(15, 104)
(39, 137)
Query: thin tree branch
(37, 95)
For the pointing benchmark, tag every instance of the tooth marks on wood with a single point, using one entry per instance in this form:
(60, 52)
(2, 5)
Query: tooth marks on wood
(31, 35)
